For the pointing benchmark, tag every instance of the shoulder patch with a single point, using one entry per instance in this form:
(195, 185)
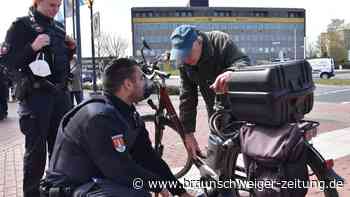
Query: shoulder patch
(118, 143)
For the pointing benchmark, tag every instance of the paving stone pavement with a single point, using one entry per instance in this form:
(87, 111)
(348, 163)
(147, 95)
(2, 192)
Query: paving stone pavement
(12, 149)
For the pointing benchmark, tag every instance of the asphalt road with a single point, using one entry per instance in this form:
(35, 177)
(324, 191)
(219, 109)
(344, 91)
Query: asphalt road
(332, 94)
(323, 93)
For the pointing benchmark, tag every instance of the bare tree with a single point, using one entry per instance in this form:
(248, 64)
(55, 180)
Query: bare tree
(312, 50)
(99, 46)
(321, 45)
(108, 47)
(116, 46)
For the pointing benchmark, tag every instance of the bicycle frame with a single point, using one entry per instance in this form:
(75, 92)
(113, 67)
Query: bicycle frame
(171, 116)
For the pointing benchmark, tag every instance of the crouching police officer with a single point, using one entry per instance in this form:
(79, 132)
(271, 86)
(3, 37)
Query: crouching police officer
(103, 147)
(43, 100)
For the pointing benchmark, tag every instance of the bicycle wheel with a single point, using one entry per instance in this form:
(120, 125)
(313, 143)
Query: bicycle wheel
(237, 173)
(317, 167)
(314, 163)
(174, 151)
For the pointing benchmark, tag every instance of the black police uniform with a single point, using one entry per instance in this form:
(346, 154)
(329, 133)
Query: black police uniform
(4, 91)
(43, 101)
(102, 147)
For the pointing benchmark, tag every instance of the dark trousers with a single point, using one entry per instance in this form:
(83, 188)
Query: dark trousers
(42, 113)
(3, 100)
(78, 95)
(106, 188)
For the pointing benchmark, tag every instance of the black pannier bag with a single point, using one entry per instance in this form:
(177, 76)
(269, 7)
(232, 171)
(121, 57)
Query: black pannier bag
(265, 94)
(275, 159)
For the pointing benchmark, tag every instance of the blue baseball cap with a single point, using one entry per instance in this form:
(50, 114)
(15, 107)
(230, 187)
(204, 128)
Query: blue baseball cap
(182, 40)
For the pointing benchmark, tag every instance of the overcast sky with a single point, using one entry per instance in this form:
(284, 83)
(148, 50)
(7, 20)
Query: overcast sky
(116, 17)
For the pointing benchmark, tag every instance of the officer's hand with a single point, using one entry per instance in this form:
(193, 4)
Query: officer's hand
(70, 42)
(40, 41)
(221, 82)
(192, 146)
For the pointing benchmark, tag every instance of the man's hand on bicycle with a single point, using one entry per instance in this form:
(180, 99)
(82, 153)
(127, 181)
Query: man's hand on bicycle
(192, 146)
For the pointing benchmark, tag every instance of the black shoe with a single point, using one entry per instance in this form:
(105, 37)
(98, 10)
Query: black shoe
(3, 116)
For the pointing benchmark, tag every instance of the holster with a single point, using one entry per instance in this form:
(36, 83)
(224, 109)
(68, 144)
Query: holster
(26, 85)
(23, 88)
(47, 190)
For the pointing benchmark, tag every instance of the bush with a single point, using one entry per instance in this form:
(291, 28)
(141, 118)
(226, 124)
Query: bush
(346, 65)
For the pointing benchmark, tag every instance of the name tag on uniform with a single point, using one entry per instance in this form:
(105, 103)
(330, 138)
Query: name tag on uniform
(118, 143)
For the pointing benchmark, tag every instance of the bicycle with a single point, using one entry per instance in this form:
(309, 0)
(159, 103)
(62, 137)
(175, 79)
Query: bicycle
(231, 169)
(164, 123)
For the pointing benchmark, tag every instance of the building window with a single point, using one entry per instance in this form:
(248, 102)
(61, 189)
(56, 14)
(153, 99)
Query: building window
(165, 14)
(296, 14)
(260, 13)
(222, 13)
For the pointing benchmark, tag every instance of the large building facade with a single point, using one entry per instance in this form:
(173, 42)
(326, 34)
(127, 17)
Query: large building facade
(264, 34)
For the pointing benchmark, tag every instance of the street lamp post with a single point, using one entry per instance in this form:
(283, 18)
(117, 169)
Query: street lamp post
(94, 86)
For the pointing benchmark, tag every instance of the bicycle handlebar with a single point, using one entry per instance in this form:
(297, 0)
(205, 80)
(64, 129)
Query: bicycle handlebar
(162, 74)
(152, 69)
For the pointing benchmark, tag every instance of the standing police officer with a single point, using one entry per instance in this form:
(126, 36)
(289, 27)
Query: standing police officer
(42, 100)
(103, 147)
(4, 92)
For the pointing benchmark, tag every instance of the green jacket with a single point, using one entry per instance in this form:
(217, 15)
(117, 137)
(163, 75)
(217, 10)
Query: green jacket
(219, 54)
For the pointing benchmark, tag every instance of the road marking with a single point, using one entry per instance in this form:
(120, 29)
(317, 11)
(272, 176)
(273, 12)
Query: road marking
(347, 102)
(332, 92)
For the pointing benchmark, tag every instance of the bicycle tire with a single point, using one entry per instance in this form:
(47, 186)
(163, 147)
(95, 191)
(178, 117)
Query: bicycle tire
(317, 166)
(178, 166)
(314, 162)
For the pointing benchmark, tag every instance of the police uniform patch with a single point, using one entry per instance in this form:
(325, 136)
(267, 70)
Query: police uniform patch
(118, 143)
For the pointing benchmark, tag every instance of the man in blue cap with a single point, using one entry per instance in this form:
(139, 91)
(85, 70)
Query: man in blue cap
(207, 60)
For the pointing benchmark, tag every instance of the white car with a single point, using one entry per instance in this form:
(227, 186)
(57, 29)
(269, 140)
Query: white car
(322, 67)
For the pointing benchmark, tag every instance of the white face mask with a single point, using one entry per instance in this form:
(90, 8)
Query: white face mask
(40, 67)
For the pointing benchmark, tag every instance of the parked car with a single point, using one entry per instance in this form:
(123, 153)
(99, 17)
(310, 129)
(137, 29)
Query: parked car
(322, 67)
(87, 76)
